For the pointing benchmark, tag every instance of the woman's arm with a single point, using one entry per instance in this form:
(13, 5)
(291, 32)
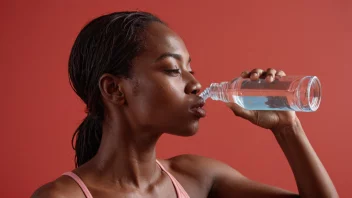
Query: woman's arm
(311, 177)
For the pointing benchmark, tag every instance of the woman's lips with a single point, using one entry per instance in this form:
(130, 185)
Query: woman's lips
(197, 108)
(198, 111)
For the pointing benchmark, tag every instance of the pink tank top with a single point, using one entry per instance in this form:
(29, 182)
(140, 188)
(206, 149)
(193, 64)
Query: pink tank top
(181, 193)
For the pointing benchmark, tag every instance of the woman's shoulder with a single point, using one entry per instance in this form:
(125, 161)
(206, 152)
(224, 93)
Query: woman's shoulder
(62, 187)
(197, 174)
(195, 166)
(190, 163)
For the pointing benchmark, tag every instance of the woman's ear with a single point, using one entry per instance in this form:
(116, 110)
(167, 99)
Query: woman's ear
(111, 90)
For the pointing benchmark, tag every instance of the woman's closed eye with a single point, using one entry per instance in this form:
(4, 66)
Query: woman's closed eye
(176, 71)
(173, 72)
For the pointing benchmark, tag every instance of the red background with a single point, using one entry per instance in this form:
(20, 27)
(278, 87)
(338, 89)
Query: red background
(39, 111)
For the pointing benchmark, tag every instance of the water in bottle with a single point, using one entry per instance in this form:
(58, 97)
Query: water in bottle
(288, 93)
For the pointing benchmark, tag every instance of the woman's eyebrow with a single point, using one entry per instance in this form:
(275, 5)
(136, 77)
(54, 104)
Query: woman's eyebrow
(173, 55)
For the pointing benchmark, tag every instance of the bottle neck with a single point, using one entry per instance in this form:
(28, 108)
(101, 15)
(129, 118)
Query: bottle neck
(217, 91)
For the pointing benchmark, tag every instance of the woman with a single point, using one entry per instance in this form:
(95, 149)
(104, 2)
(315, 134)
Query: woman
(134, 75)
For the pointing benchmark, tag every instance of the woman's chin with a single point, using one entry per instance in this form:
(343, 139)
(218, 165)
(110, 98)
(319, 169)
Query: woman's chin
(187, 130)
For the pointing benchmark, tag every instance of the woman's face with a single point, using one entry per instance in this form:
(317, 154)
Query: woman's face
(162, 96)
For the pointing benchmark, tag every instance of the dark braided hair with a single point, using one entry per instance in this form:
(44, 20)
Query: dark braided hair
(107, 44)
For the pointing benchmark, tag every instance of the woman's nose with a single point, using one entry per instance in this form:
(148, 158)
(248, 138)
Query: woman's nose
(193, 87)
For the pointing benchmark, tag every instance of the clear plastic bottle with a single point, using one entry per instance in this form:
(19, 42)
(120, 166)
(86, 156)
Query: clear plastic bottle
(288, 93)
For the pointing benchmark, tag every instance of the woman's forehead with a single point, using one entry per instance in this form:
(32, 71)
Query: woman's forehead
(161, 39)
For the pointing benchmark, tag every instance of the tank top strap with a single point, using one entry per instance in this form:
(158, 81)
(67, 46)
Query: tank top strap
(181, 193)
(80, 183)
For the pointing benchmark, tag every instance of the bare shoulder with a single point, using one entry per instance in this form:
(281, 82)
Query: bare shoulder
(62, 187)
(202, 170)
(223, 180)
(200, 165)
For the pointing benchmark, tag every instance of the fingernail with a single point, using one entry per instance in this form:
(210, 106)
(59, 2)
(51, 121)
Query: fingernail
(270, 78)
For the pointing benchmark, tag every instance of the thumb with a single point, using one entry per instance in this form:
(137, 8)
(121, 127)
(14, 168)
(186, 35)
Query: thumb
(240, 112)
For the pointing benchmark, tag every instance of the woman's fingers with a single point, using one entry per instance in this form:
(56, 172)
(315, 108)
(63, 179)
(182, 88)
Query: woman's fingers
(241, 112)
(270, 75)
(245, 74)
(256, 74)
(280, 74)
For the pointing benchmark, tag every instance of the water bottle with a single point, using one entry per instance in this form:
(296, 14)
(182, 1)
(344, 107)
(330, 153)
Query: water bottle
(287, 93)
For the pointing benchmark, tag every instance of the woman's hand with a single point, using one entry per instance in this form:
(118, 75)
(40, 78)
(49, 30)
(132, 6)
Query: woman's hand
(266, 119)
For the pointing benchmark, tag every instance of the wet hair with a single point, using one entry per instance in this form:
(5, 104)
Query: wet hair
(107, 44)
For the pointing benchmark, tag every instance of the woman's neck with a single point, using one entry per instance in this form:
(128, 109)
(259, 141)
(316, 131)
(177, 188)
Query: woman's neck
(127, 155)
